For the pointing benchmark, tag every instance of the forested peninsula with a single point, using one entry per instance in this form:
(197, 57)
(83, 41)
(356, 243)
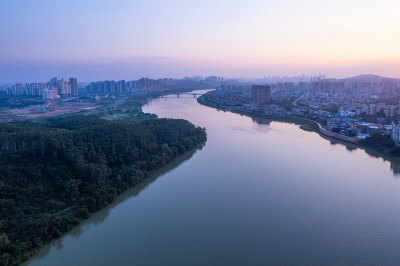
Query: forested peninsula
(55, 173)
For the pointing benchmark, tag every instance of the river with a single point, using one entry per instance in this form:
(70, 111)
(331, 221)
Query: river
(257, 193)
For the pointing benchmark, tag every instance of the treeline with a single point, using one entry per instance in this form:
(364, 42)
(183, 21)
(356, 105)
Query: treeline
(53, 174)
(10, 101)
(382, 143)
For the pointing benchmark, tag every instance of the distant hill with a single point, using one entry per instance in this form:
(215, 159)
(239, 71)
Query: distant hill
(368, 77)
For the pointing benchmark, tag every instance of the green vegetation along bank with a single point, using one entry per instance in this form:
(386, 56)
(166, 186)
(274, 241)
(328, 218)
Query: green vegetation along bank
(55, 173)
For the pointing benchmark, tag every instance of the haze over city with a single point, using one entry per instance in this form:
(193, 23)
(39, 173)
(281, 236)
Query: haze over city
(96, 40)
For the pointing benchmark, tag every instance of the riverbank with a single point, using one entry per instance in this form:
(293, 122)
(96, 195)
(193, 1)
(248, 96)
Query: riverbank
(312, 126)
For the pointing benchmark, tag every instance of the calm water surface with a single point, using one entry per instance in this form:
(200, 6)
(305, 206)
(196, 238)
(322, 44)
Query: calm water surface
(255, 194)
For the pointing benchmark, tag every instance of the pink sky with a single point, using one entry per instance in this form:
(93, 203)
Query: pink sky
(254, 38)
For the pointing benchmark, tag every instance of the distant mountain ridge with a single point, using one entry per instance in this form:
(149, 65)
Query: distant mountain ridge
(369, 77)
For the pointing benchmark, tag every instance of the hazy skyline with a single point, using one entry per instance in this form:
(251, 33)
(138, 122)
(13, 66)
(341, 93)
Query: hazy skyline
(129, 39)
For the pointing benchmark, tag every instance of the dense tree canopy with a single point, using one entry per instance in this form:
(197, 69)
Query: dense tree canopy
(55, 173)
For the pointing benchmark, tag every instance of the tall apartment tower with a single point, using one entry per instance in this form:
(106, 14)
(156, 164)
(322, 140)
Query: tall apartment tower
(64, 88)
(261, 94)
(74, 86)
(121, 87)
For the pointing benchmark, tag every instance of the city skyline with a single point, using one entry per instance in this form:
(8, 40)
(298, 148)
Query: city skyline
(128, 40)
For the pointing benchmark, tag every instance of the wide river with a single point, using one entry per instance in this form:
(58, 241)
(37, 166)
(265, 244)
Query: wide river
(256, 193)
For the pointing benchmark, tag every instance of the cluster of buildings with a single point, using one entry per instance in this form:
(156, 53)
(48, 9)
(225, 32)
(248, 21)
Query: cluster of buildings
(356, 107)
(260, 94)
(214, 80)
(128, 87)
(358, 87)
(294, 79)
(146, 85)
(355, 117)
(361, 86)
(232, 88)
(288, 88)
(361, 129)
(64, 88)
(355, 127)
(50, 90)
(371, 110)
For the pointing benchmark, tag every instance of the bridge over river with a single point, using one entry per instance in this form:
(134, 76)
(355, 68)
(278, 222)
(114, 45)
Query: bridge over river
(183, 95)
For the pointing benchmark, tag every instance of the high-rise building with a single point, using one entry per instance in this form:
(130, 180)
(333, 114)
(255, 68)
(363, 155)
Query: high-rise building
(372, 110)
(74, 86)
(53, 81)
(121, 87)
(396, 133)
(64, 88)
(398, 109)
(391, 111)
(329, 86)
(261, 94)
(289, 87)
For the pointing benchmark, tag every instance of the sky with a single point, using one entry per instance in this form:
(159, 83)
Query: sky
(129, 39)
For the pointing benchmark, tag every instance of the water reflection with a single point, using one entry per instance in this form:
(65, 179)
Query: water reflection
(99, 217)
(395, 166)
(261, 120)
(394, 163)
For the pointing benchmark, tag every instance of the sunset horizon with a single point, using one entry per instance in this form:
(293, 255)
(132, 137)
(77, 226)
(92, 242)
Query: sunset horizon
(176, 39)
